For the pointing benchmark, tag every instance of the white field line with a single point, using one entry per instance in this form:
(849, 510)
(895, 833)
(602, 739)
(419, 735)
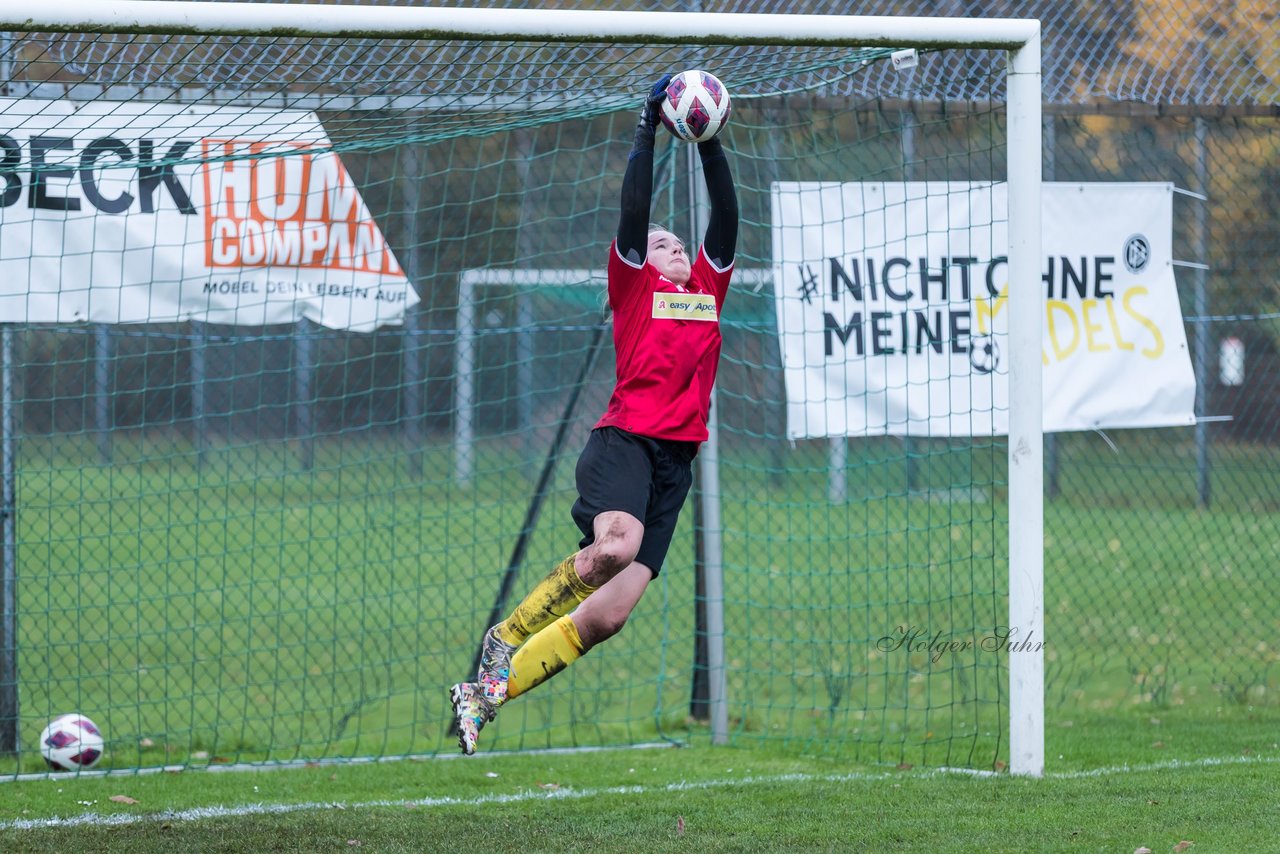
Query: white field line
(347, 761)
(200, 813)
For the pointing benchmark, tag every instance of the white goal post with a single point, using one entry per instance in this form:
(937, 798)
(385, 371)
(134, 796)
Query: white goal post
(1019, 38)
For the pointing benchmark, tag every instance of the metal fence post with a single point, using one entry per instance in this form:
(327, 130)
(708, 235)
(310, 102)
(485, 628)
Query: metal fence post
(412, 404)
(909, 447)
(304, 367)
(1201, 361)
(526, 250)
(711, 539)
(102, 391)
(8, 551)
(199, 371)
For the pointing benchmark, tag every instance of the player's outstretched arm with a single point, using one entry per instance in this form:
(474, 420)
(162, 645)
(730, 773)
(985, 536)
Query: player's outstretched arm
(721, 239)
(637, 182)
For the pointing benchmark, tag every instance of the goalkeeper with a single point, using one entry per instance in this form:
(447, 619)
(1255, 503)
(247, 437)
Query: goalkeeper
(635, 471)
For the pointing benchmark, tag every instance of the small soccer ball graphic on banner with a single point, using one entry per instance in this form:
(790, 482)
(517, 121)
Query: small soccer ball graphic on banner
(71, 743)
(696, 107)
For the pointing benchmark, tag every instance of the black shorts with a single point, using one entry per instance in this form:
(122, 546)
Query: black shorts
(648, 478)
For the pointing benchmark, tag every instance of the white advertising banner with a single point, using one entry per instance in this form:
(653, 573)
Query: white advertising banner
(127, 212)
(893, 319)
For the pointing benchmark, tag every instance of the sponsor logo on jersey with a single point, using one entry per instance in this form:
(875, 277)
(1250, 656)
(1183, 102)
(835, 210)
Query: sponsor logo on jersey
(671, 306)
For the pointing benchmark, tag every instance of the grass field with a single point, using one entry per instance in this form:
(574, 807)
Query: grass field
(245, 610)
(694, 799)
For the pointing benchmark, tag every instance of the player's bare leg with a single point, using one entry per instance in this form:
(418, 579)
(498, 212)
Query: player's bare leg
(604, 614)
(568, 638)
(617, 538)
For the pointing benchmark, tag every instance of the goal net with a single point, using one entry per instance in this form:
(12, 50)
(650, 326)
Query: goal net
(302, 335)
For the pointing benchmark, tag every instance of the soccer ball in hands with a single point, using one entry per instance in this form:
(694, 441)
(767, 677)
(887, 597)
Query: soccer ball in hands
(70, 743)
(696, 107)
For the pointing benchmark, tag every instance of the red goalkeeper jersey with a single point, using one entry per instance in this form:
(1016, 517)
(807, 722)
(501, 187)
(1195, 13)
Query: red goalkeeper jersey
(667, 339)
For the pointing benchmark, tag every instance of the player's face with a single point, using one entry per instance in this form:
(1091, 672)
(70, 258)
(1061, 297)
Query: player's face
(667, 254)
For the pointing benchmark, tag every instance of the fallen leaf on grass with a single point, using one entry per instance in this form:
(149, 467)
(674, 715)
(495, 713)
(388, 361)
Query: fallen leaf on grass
(354, 842)
(904, 766)
(123, 799)
(999, 765)
(1183, 845)
(679, 825)
(550, 786)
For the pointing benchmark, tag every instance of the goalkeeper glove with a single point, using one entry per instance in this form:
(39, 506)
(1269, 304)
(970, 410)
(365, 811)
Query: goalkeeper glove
(653, 102)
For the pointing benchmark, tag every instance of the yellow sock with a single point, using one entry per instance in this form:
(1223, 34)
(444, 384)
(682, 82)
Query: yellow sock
(554, 596)
(546, 654)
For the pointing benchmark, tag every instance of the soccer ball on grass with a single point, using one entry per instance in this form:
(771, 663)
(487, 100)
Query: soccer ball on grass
(696, 107)
(70, 743)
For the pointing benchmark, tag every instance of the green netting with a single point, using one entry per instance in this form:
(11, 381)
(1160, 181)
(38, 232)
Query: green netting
(279, 542)
(241, 542)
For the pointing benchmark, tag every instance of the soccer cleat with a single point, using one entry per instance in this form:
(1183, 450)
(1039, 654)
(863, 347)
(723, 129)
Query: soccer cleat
(495, 669)
(471, 713)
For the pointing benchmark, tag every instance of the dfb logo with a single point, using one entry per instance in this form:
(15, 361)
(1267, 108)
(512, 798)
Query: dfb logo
(1137, 252)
